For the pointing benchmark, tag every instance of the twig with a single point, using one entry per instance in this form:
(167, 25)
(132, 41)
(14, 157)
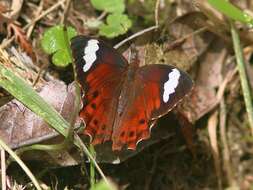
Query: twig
(181, 39)
(7, 42)
(242, 74)
(212, 131)
(65, 12)
(21, 163)
(157, 5)
(224, 83)
(103, 14)
(30, 29)
(134, 36)
(3, 168)
(225, 150)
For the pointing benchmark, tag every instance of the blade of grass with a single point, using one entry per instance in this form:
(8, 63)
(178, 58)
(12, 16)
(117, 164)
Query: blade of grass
(78, 142)
(242, 74)
(21, 163)
(231, 11)
(91, 151)
(28, 96)
(92, 167)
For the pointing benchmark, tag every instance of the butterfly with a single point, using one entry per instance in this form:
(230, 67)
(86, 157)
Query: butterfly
(122, 101)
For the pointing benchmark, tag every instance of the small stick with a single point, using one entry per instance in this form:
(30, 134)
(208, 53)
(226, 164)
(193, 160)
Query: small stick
(30, 29)
(7, 42)
(21, 164)
(103, 14)
(225, 151)
(3, 169)
(212, 132)
(224, 83)
(157, 5)
(65, 12)
(135, 35)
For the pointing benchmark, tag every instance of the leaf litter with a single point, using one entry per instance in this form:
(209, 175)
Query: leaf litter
(187, 38)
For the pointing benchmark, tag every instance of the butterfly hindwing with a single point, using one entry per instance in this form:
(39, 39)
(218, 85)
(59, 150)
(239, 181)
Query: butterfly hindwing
(157, 89)
(100, 70)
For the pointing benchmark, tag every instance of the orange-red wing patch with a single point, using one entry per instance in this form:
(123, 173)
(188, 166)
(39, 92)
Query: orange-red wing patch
(100, 83)
(121, 103)
(147, 104)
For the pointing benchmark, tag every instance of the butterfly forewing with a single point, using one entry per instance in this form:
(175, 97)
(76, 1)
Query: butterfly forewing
(156, 90)
(100, 72)
(89, 54)
(165, 85)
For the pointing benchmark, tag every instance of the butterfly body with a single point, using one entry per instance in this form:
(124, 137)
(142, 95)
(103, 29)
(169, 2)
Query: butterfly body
(122, 101)
(126, 90)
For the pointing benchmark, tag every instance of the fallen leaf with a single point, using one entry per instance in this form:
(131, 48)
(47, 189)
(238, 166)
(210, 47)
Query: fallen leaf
(21, 39)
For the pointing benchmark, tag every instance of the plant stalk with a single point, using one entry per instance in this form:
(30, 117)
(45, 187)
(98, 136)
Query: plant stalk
(242, 74)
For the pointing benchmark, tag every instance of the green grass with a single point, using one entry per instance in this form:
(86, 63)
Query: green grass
(23, 92)
(231, 11)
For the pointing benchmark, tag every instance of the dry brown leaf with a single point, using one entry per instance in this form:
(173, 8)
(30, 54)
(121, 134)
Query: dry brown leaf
(3, 19)
(20, 126)
(21, 39)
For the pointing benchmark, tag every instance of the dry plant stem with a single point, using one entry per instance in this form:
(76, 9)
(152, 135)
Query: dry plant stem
(181, 39)
(135, 35)
(3, 168)
(225, 150)
(103, 14)
(243, 75)
(38, 12)
(39, 74)
(21, 163)
(157, 5)
(7, 42)
(212, 131)
(224, 83)
(15, 9)
(65, 12)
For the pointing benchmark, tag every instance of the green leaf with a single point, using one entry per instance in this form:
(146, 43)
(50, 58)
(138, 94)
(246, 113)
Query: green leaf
(55, 42)
(231, 11)
(117, 24)
(111, 6)
(61, 58)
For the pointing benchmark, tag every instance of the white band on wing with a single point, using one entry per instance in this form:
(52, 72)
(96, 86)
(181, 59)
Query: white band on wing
(90, 54)
(171, 84)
